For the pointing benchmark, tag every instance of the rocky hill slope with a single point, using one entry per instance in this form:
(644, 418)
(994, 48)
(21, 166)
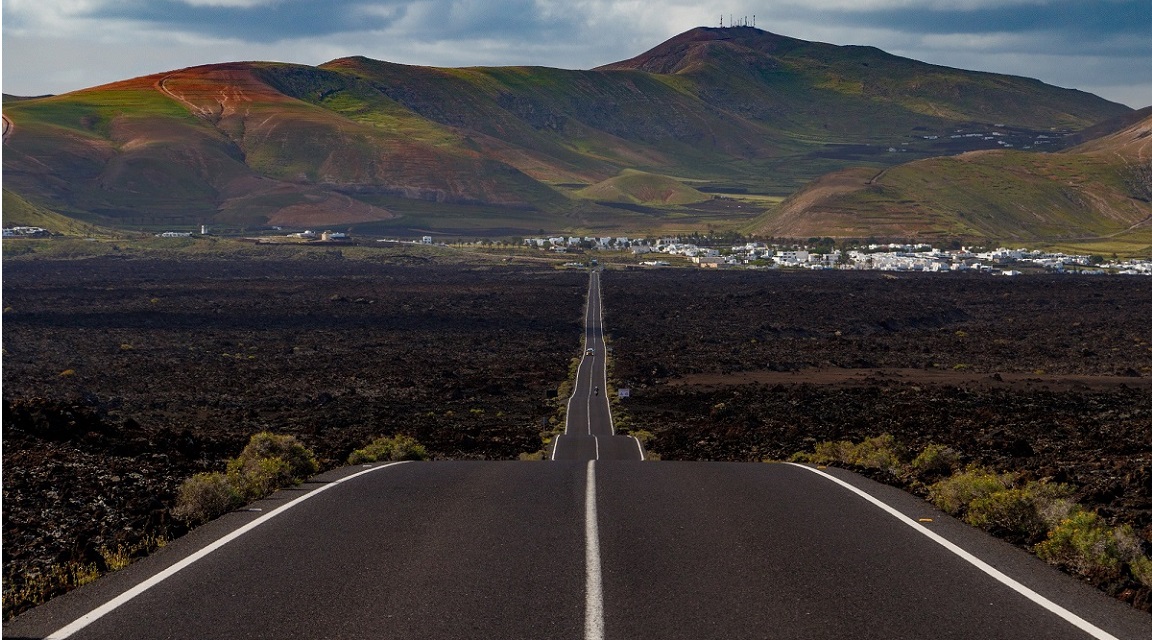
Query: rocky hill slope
(375, 145)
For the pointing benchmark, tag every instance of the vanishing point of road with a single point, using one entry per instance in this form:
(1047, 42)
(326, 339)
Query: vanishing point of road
(594, 544)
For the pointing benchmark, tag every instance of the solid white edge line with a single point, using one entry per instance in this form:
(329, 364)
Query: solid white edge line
(594, 592)
(1011, 583)
(128, 595)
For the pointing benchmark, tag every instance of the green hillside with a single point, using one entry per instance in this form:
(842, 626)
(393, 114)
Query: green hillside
(18, 212)
(637, 187)
(365, 144)
(1100, 192)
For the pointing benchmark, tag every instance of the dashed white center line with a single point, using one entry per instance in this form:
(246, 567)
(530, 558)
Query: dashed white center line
(594, 593)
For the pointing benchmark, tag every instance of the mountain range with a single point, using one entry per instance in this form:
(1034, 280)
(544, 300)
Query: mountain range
(711, 128)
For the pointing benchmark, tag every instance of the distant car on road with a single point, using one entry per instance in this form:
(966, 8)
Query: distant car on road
(589, 352)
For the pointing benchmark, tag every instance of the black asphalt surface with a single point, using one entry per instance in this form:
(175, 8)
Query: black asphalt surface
(596, 547)
(452, 550)
(588, 433)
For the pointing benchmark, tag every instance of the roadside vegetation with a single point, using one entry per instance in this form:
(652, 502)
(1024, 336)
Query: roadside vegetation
(268, 463)
(41, 584)
(1039, 515)
(390, 449)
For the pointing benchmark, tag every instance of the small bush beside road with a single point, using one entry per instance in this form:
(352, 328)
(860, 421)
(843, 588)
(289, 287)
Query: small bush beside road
(267, 463)
(394, 448)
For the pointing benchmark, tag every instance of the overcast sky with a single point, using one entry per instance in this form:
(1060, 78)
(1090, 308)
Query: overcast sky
(54, 46)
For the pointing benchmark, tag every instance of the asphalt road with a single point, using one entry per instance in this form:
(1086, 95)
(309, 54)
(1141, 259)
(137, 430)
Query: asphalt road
(598, 546)
(584, 550)
(589, 433)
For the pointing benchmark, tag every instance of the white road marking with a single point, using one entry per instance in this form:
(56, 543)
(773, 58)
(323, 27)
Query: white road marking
(579, 369)
(594, 592)
(1067, 615)
(588, 413)
(128, 595)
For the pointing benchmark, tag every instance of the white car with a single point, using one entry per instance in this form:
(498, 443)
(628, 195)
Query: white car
(589, 352)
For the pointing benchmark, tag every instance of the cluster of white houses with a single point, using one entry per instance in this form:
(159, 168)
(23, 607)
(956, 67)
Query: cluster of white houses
(888, 257)
(26, 232)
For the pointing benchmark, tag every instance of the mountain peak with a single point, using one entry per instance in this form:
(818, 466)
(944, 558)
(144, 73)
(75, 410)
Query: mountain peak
(681, 52)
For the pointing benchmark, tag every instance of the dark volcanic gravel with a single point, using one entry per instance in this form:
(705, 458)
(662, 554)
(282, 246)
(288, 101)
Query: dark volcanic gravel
(1050, 377)
(124, 377)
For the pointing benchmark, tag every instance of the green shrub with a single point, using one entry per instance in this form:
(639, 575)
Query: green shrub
(1024, 514)
(205, 496)
(1053, 502)
(1141, 568)
(267, 463)
(254, 478)
(301, 463)
(398, 447)
(935, 460)
(1084, 544)
(116, 558)
(954, 494)
(1010, 513)
(642, 435)
(880, 452)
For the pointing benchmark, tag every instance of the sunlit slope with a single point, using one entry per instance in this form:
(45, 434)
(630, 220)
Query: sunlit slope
(637, 187)
(1102, 189)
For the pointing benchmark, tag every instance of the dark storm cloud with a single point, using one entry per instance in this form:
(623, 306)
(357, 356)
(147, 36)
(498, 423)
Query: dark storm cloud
(292, 19)
(260, 23)
(1114, 26)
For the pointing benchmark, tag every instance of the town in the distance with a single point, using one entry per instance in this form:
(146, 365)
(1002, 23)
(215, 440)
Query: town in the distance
(879, 257)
